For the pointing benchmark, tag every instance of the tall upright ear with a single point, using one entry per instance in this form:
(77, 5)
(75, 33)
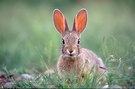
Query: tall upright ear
(80, 21)
(59, 21)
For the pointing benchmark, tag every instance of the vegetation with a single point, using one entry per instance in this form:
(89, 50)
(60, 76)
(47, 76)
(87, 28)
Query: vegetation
(30, 44)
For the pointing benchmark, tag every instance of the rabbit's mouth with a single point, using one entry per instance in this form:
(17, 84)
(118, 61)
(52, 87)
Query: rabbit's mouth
(71, 55)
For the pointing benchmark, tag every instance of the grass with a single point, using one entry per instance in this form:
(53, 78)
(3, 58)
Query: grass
(118, 74)
(42, 80)
(30, 44)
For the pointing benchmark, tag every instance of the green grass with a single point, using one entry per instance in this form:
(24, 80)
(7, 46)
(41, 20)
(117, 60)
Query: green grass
(29, 42)
(42, 80)
(118, 73)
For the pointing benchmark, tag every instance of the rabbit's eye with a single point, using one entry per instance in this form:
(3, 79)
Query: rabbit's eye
(63, 41)
(78, 41)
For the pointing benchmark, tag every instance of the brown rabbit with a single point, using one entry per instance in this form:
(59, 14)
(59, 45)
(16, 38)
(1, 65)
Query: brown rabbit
(73, 58)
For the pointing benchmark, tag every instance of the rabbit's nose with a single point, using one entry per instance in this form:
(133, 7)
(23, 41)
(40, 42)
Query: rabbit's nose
(70, 51)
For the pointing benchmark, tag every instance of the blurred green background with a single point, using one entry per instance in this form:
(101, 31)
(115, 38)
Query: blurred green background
(27, 33)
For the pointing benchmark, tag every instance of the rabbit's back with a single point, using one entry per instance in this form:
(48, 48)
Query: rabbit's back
(93, 60)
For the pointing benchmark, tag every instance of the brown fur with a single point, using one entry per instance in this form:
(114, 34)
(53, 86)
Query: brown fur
(73, 58)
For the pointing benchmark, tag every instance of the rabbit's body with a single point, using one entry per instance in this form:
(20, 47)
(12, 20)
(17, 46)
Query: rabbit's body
(73, 58)
(77, 64)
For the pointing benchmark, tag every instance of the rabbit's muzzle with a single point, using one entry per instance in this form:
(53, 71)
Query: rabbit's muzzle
(70, 51)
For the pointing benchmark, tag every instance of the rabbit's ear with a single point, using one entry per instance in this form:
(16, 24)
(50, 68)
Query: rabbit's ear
(80, 21)
(59, 21)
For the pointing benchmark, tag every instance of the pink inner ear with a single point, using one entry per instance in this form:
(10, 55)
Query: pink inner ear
(81, 21)
(59, 21)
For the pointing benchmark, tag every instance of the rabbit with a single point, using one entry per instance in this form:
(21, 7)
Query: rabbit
(72, 56)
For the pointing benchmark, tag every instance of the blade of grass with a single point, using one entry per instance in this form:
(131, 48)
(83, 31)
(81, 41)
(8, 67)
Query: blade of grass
(41, 57)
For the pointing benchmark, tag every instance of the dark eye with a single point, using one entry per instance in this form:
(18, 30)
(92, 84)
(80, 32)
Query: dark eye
(78, 41)
(63, 41)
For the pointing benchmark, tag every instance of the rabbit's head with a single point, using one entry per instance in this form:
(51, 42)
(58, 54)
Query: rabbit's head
(70, 38)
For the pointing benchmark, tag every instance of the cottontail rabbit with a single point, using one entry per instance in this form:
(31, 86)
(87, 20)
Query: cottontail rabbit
(73, 57)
